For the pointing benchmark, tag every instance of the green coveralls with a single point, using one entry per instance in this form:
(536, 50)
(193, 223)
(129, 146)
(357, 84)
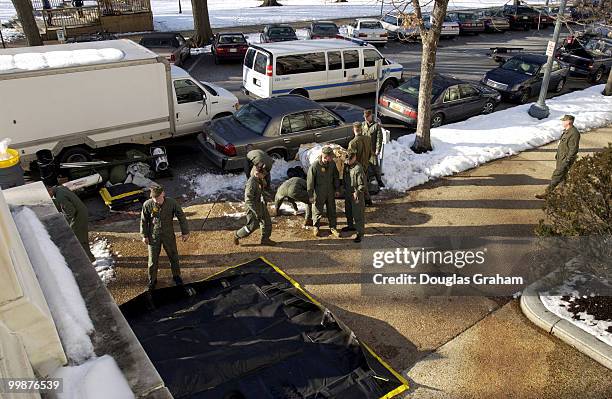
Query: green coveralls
(256, 210)
(256, 157)
(355, 181)
(362, 145)
(156, 225)
(76, 214)
(322, 183)
(294, 189)
(566, 155)
(375, 133)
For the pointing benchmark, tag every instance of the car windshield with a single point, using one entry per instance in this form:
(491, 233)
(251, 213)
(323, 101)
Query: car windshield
(252, 118)
(521, 66)
(412, 88)
(231, 39)
(599, 47)
(326, 28)
(466, 17)
(370, 25)
(449, 18)
(281, 32)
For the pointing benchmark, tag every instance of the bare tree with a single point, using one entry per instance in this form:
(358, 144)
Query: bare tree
(270, 3)
(25, 13)
(430, 36)
(201, 23)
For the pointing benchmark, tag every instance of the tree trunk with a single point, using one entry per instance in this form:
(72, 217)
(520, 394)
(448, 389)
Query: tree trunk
(201, 23)
(608, 88)
(430, 39)
(25, 13)
(270, 3)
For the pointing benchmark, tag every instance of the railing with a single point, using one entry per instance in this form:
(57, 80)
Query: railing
(118, 7)
(71, 16)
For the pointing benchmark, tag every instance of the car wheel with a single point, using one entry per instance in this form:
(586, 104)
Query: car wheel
(388, 85)
(277, 155)
(300, 92)
(560, 86)
(524, 97)
(488, 107)
(597, 76)
(437, 120)
(76, 154)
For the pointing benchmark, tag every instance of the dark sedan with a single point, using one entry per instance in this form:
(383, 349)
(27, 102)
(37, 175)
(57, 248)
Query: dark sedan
(277, 125)
(494, 21)
(468, 22)
(452, 100)
(520, 78)
(278, 33)
(229, 46)
(171, 45)
(592, 61)
(323, 30)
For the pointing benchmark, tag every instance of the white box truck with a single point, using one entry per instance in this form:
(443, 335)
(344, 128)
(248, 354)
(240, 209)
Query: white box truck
(74, 98)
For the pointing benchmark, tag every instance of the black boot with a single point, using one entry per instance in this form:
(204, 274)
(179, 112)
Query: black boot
(152, 285)
(177, 280)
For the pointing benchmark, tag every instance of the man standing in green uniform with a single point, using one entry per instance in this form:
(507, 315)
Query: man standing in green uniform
(256, 209)
(566, 154)
(355, 197)
(157, 230)
(322, 184)
(294, 190)
(76, 214)
(372, 129)
(361, 145)
(260, 159)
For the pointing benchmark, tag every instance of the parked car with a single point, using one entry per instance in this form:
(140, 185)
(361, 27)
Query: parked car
(229, 46)
(525, 17)
(396, 29)
(277, 125)
(369, 30)
(278, 33)
(520, 78)
(592, 60)
(452, 100)
(171, 45)
(323, 30)
(469, 22)
(450, 27)
(494, 21)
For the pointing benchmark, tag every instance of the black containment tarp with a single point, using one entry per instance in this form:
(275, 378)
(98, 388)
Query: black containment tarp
(252, 332)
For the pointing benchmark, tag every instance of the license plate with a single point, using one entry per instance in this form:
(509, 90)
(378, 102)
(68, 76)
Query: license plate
(396, 107)
(572, 68)
(468, 24)
(233, 50)
(210, 140)
(525, 17)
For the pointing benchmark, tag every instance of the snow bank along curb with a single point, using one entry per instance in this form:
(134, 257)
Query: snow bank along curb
(534, 309)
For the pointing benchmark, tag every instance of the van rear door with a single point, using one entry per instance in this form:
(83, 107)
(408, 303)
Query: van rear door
(257, 72)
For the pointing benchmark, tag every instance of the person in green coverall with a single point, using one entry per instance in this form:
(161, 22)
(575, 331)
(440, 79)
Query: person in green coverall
(322, 185)
(354, 197)
(256, 208)
(157, 231)
(76, 214)
(294, 190)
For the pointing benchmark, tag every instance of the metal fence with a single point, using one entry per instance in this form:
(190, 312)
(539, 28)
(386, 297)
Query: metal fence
(106, 7)
(71, 16)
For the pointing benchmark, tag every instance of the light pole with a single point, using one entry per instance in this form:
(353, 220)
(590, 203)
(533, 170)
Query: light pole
(382, 5)
(539, 110)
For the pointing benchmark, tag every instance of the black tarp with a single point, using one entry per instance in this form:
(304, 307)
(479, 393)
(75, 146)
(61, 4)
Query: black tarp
(252, 332)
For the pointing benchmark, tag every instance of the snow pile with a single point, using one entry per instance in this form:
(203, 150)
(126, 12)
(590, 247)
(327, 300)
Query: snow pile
(58, 285)
(58, 59)
(105, 263)
(11, 34)
(98, 378)
(210, 185)
(464, 145)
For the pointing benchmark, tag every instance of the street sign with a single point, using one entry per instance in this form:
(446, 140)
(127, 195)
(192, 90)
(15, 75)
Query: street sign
(550, 49)
(61, 35)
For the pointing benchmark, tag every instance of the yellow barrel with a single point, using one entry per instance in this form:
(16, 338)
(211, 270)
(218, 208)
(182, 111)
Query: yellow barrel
(11, 173)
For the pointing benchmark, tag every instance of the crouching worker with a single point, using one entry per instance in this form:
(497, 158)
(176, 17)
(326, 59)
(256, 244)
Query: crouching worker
(157, 231)
(256, 209)
(76, 214)
(293, 190)
(355, 197)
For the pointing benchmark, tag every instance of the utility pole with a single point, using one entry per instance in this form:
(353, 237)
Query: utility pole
(1, 37)
(382, 5)
(539, 110)
(181, 8)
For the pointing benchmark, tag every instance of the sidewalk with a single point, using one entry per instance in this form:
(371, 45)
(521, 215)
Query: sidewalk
(452, 347)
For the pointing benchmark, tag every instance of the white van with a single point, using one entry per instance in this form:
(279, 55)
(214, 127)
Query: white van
(316, 69)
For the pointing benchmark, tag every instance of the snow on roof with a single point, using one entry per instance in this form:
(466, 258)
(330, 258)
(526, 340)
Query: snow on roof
(298, 46)
(71, 55)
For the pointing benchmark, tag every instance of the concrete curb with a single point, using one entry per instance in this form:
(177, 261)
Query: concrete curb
(534, 309)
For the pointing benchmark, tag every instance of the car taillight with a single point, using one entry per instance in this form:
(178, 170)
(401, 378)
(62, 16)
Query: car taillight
(316, 36)
(363, 35)
(172, 58)
(221, 49)
(269, 70)
(227, 149)
(410, 113)
(383, 35)
(383, 101)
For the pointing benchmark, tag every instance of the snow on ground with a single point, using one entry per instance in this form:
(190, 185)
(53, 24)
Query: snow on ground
(58, 285)
(98, 378)
(10, 34)
(457, 147)
(464, 145)
(105, 262)
(555, 304)
(58, 59)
